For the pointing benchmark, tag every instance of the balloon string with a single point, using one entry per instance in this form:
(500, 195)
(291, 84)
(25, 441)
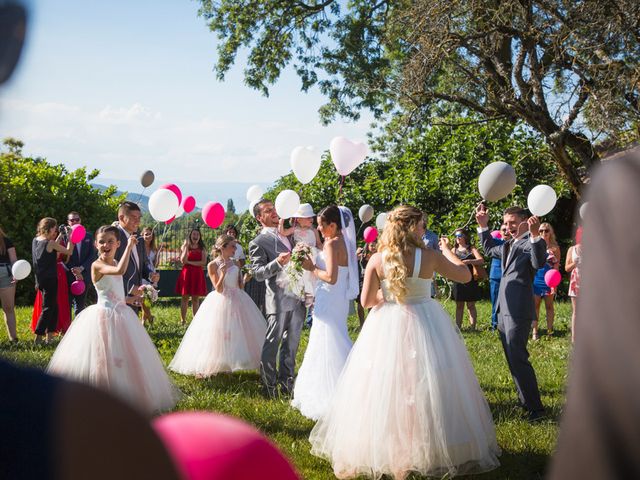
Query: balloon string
(470, 218)
(140, 196)
(340, 189)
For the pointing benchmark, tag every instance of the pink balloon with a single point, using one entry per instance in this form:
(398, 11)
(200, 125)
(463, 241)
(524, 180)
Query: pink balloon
(174, 188)
(552, 278)
(496, 234)
(213, 214)
(370, 234)
(189, 204)
(77, 287)
(211, 446)
(167, 222)
(77, 233)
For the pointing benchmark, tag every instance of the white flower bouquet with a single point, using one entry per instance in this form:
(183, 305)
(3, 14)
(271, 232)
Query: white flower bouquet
(290, 278)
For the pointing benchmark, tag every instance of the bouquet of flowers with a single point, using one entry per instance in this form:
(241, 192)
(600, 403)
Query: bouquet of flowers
(149, 295)
(290, 278)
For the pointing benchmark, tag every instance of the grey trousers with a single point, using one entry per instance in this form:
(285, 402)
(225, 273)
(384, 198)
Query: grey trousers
(514, 335)
(283, 337)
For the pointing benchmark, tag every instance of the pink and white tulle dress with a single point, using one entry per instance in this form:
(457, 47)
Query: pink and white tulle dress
(408, 398)
(225, 335)
(107, 347)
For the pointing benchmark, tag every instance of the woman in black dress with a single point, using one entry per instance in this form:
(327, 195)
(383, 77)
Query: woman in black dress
(469, 292)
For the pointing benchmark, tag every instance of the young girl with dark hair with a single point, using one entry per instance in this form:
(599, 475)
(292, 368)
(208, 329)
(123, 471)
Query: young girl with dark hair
(106, 346)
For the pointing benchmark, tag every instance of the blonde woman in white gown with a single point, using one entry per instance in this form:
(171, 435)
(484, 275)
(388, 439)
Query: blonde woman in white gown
(408, 398)
(337, 285)
(228, 331)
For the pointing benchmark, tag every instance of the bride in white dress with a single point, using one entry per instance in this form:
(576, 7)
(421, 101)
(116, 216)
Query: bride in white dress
(408, 398)
(329, 342)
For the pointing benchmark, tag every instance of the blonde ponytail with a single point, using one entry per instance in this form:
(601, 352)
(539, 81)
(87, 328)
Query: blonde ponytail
(397, 238)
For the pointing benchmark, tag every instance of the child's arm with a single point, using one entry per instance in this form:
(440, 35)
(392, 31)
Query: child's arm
(184, 254)
(240, 276)
(203, 261)
(99, 269)
(68, 250)
(285, 231)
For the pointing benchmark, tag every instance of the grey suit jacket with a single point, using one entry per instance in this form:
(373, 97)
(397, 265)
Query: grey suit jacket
(265, 268)
(515, 297)
(135, 273)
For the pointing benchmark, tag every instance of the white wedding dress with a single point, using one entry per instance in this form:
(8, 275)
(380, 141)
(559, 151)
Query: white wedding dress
(328, 347)
(106, 346)
(408, 398)
(225, 335)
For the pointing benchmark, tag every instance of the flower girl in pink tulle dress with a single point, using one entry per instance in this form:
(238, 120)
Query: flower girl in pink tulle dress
(228, 331)
(106, 346)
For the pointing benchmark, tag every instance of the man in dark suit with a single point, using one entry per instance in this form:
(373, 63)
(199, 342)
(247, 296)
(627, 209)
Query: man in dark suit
(79, 265)
(521, 257)
(138, 271)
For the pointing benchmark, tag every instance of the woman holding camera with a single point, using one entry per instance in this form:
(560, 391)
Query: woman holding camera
(7, 284)
(51, 310)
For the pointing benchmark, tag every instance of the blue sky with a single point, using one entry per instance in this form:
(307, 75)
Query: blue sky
(126, 86)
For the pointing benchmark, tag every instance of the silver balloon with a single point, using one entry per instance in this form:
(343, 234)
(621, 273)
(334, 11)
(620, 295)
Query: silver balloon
(365, 213)
(497, 180)
(147, 178)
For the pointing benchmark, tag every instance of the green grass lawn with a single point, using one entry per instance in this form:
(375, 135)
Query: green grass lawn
(526, 448)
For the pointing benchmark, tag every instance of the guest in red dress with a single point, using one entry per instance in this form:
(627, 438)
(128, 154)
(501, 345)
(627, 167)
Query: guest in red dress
(62, 297)
(191, 282)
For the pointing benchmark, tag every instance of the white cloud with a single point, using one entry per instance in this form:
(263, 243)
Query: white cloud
(121, 141)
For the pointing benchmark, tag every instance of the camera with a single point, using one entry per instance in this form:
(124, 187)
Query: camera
(64, 229)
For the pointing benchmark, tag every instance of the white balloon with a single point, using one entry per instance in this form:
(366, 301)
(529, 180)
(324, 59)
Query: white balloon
(541, 200)
(305, 163)
(583, 209)
(496, 181)
(365, 213)
(163, 204)
(347, 155)
(251, 205)
(21, 269)
(179, 212)
(287, 204)
(254, 193)
(381, 219)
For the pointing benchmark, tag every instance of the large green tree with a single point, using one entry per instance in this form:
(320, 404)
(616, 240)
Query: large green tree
(32, 188)
(567, 68)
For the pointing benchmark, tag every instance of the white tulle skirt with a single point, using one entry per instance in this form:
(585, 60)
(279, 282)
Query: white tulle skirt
(225, 335)
(407, 400)
(109, 349)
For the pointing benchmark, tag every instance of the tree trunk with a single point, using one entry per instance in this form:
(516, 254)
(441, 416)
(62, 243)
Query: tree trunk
(569, 171)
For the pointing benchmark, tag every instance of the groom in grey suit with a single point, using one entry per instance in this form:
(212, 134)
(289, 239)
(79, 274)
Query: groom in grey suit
(521, 257)
(269, 253)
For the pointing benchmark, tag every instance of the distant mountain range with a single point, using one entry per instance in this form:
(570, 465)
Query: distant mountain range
(141, 200)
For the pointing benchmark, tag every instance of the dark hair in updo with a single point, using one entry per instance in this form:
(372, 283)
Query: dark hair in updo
(331, 214)
(108, 229)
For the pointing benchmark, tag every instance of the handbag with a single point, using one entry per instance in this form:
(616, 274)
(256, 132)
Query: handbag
(479, 273)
